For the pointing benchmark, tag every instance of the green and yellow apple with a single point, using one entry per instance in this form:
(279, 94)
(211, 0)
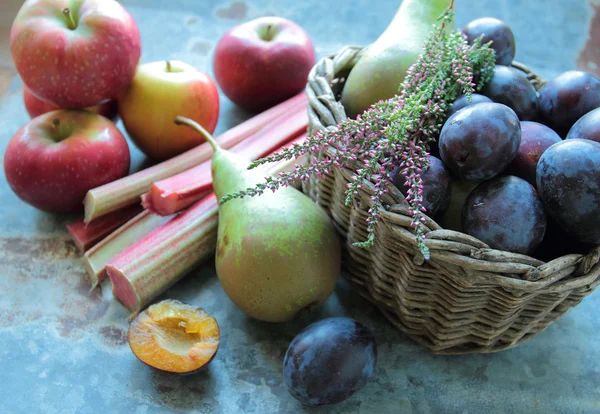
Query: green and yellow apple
(161, 91)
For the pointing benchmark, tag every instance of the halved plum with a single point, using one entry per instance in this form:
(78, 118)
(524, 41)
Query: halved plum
(174, 337)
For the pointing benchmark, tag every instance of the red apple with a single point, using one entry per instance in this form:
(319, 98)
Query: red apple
(35, 106)
(161, 91)
(54, 159)
(75, 54)
(263, 62)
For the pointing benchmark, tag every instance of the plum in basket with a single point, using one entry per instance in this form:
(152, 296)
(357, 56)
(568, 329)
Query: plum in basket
(479, 141)
(495, 30)
(535, 139)
(587, 127)
(510, 86)
(463, 101)
(566, 98)
(568, 181)
(506, 214)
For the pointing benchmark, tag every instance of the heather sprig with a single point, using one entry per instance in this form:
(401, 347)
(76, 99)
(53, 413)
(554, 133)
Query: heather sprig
(393, 134)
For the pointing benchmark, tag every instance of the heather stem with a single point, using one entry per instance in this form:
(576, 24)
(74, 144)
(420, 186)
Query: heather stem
(312, 144)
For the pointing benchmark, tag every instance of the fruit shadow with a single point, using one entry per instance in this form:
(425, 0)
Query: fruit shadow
(344, 302)
(191, 392)
(48, 223)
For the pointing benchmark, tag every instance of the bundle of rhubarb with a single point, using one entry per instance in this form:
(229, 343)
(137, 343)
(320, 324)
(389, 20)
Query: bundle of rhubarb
(150, 228)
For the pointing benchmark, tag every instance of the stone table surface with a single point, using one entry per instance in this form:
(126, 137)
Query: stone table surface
(65, 351)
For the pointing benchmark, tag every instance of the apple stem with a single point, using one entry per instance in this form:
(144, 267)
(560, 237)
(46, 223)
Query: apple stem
(181, 120)
(168, 66)
(56, 123)
(69, 16)
(268, 32)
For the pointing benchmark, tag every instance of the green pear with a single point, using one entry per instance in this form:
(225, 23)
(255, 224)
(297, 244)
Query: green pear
(380, 70)
(277, 253)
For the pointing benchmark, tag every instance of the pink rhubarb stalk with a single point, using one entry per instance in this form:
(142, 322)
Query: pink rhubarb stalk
(180, 191)
(86, 235)
(161, 258)
(130, 232)
(126, 191)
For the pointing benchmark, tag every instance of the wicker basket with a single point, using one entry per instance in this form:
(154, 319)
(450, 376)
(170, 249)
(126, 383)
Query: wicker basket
(467, 298)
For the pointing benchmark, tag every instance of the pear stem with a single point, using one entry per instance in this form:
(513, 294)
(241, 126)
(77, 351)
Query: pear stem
(69, 16)
(182, 120)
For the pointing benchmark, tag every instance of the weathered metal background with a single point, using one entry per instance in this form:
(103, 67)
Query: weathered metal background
(64, 351)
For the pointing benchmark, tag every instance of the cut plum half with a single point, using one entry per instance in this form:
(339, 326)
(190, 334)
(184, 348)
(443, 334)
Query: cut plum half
(174, 337)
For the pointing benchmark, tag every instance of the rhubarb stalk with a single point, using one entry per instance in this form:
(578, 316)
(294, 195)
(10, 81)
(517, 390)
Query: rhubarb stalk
(126, 191)
(98, 256)
(161, 258)
(157, 261)
(178, 192)
(86, 235)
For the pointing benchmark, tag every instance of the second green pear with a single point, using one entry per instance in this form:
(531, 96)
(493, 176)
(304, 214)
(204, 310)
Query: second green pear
(383, 65)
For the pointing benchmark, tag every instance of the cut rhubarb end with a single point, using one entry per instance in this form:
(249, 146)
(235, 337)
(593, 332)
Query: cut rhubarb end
(166, 204)
(87, 235)
(95, 275)
(175, 337)
(146, 202)
(194, 184)
(97, 257)
(89, 207)
(123, 290)
(82, 244)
